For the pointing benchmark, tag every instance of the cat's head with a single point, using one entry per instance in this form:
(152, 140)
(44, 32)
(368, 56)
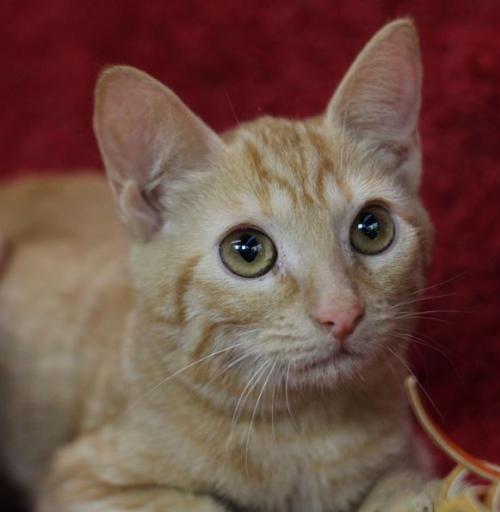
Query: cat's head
(283, 247)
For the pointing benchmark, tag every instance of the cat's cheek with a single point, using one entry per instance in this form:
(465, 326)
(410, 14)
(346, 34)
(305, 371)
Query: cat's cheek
(222, 294)
(281, 268)
(398, 258)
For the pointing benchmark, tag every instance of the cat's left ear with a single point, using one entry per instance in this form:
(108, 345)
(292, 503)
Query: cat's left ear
(378, 101)
(148, 138)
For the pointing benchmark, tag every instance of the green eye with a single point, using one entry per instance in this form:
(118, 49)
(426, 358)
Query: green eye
(248, 252)
(372, 230)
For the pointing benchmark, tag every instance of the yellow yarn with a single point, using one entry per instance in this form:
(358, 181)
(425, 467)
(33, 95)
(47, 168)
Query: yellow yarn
(457, 495)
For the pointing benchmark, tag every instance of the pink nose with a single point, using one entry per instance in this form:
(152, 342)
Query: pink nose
(342, 319)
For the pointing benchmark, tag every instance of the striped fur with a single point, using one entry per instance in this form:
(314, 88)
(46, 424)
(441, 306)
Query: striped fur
(182, 387)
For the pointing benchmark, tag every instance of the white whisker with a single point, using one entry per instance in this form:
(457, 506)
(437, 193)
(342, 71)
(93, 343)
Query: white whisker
(424, 298)
(254, 413)
(226, 368)
(287, 402)
(250, 385)
(275, 387)
(437, 285)
(178, 372)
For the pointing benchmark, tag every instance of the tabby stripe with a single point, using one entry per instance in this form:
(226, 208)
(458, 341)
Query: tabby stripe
(181, 288)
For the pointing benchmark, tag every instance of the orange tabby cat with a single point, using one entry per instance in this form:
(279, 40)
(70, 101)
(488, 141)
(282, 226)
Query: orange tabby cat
(254, 359)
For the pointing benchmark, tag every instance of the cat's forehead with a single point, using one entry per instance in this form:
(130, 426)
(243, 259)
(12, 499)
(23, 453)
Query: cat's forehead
(291, 168)
(298, 151)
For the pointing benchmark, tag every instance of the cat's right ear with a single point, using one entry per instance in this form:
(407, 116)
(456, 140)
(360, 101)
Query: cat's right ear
(147, 137)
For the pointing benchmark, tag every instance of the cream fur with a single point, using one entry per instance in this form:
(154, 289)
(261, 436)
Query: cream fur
(165, 383)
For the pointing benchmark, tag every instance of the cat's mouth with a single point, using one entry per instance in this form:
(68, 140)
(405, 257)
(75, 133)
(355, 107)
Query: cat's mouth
(335, 358)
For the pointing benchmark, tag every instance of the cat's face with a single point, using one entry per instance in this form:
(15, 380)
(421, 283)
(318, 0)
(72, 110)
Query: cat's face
(274, 233)
(288, 250)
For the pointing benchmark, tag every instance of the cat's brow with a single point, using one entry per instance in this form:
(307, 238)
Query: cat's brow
(296, 159)
(266, 178)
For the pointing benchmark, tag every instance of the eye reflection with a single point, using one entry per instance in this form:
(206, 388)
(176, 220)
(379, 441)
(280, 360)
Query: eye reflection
(248, 247)
(369, 225)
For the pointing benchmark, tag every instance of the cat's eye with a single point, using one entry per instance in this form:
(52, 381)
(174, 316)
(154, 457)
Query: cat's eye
(248, 252)
(372, 230)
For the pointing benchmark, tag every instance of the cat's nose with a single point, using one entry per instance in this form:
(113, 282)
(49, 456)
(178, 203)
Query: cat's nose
(341, 318)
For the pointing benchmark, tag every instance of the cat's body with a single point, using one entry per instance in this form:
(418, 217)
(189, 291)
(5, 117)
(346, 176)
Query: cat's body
(70, 272)
(185, 387)
(74, 375)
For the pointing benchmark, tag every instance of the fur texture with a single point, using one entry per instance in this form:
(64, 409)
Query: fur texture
(185, 387)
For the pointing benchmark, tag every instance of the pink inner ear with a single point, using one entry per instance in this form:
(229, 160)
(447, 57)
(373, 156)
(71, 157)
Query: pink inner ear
(147, 136)
(142, 122)
(385, 95)
(140, 217)
(406, 88)
(130, 125)
(380, 94)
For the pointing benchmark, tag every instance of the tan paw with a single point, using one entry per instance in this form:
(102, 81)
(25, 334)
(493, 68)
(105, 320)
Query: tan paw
(420, 503)
(425, 501)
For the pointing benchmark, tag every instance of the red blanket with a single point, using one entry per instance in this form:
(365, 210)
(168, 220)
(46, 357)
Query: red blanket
(235, 60)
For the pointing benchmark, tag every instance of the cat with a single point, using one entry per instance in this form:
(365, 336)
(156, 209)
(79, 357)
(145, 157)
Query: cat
(249, 351)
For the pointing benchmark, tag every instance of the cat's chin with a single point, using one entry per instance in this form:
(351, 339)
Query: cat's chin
(340, 365)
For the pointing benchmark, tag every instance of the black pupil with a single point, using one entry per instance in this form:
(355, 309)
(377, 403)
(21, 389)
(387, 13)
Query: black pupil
(248, 247)
(369, 225)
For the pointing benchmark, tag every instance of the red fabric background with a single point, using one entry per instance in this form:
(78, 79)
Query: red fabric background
(236, 60)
